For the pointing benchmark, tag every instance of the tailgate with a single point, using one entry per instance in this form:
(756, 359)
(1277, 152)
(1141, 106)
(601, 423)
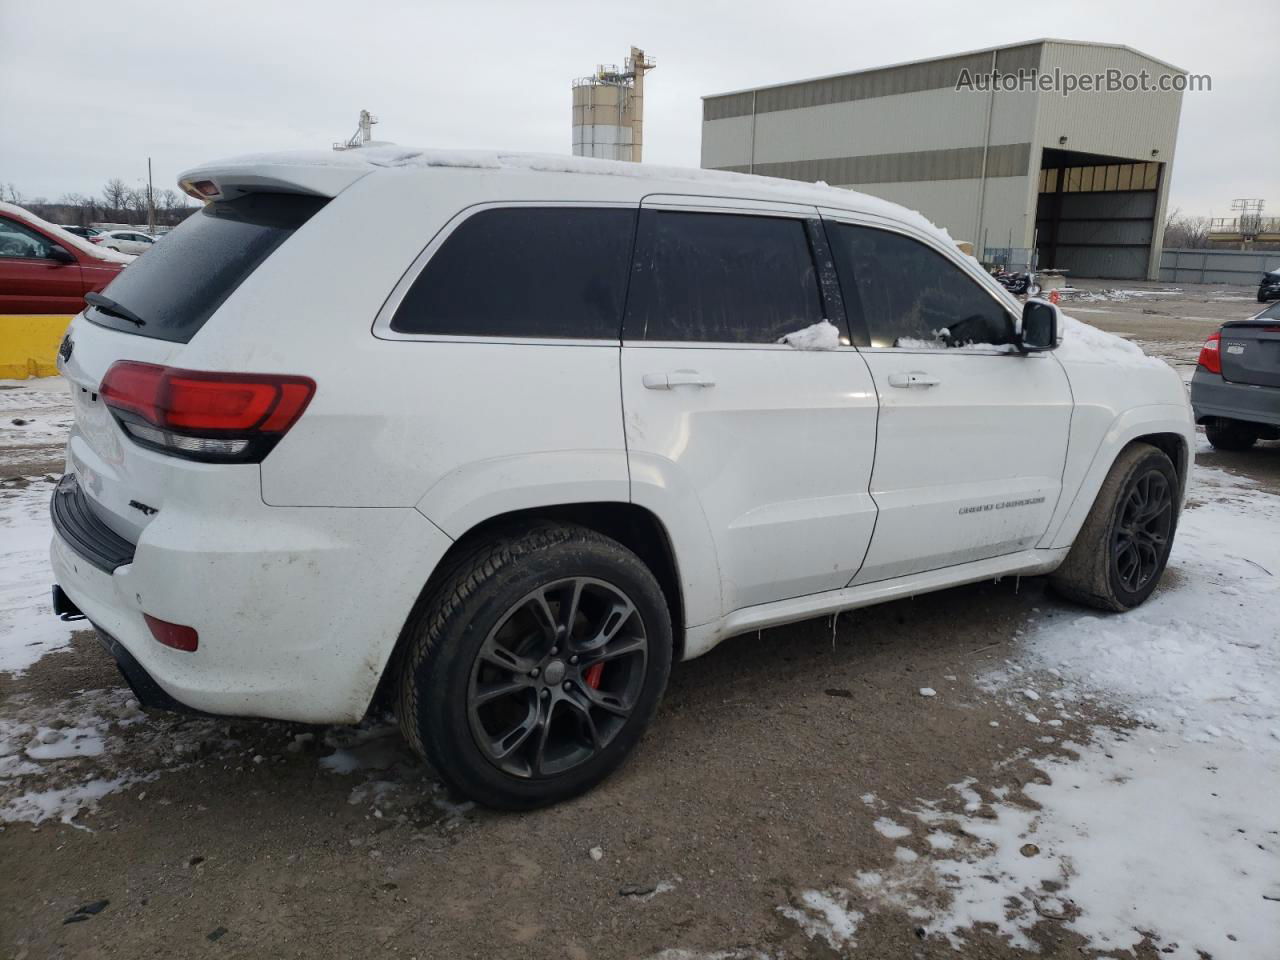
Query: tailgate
(1250, 353)
(123, 482)
(148, 315)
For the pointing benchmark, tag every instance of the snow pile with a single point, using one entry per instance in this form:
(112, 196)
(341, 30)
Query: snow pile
(28, 627)
(1083, 343)
(1201, 658)
(64, 237)
(1165, 833)
(44, 773)
(823, 335)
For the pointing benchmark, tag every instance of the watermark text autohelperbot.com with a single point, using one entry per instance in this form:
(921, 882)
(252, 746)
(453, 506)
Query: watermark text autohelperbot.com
(1066, 83)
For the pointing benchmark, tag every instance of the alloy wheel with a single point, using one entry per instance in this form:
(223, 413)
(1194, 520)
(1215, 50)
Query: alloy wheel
(557, 677)
(1142, 530)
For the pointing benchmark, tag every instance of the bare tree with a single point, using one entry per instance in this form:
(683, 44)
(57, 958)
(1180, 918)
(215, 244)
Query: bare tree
(1186, 232)
(9, 193)
(115, 196)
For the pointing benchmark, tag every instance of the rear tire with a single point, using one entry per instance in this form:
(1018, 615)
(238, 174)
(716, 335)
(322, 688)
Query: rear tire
(1121, 551)
(534, 668)
(1230, 435)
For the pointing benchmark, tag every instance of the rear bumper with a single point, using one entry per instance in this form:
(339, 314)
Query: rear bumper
(1211, 396)
(297, 609)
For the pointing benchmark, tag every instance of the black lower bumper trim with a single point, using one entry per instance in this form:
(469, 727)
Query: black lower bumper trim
(76, 523)
(144, 687)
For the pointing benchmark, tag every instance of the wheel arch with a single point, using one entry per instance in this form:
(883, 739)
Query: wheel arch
(635, 527)
(1166, 427)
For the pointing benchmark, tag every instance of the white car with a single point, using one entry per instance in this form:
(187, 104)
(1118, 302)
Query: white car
(127, 241)
(511, 457)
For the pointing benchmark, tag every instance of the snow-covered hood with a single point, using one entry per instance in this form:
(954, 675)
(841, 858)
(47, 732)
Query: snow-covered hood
(63, 236)
(1107, 369)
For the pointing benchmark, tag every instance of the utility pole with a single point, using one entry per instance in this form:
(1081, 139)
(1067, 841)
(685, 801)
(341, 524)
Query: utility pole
(151, 202)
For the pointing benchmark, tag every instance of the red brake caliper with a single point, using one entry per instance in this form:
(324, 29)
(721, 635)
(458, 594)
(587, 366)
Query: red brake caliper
(592, 676)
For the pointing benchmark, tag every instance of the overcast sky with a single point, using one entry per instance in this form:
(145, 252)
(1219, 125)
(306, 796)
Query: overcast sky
(90, 88)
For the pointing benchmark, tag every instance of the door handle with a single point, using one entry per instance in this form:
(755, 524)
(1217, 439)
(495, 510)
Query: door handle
(676, 378)
(916, 378)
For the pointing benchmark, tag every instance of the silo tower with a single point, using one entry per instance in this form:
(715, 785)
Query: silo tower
(608, 110)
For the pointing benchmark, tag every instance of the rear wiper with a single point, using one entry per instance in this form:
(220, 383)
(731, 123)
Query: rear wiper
(107, 305)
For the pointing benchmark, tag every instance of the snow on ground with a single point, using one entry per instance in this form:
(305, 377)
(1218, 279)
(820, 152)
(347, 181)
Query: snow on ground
(1117, 295)
(1167, 830)
(34, 412)
(28, 627)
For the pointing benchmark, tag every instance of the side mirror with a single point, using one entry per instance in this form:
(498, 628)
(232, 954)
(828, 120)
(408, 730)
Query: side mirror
(1039, 328)
(58, 254)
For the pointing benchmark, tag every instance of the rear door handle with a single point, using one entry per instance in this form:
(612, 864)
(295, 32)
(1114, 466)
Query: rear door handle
(676, 378)
(916, 378)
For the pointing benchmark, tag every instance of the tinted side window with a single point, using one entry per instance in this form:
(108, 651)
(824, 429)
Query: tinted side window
(721, 277)
(17, 242)
(525, 272)
(911, 295)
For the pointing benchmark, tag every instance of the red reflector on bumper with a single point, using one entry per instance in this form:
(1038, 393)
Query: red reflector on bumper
(173, 634)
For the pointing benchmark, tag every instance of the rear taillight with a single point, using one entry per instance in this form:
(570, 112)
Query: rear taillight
(1210, 357)
(213, 417)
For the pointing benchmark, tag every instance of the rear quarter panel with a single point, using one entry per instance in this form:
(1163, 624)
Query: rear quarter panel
(485, 425)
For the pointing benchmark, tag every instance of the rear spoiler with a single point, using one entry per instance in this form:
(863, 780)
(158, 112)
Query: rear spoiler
(303, 173)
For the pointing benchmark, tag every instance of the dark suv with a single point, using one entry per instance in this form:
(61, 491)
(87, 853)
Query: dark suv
(1269, 287)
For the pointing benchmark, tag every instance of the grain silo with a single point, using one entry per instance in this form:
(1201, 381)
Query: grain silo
(608, 110)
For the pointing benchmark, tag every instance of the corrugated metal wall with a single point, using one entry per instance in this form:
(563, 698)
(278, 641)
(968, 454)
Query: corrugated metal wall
(941, 74)
(1217, 266)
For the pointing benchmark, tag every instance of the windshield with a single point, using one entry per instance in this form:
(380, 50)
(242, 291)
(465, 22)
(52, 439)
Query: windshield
(178, 285)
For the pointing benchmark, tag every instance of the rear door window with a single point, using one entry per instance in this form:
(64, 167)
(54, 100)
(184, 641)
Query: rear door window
(716, 277)
(175, 288)
(538, 272)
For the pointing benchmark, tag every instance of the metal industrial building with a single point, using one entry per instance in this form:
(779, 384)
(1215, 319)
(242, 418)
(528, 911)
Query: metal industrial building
(1083, 178)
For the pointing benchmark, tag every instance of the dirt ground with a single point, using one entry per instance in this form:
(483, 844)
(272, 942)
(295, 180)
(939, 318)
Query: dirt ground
(749, 788)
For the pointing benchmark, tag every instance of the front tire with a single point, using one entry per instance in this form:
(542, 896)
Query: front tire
(534, 668)
(1122, 549)
(1230, 435)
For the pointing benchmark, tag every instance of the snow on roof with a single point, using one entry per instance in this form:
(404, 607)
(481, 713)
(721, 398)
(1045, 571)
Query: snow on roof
(64, 237)
(370, 159)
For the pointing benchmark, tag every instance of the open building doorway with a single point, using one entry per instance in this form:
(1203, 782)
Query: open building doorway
(1096, 215)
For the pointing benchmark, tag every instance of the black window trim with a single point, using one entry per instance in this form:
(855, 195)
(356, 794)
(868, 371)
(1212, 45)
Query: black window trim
(830, 300)
(853, 301)
(382, 330)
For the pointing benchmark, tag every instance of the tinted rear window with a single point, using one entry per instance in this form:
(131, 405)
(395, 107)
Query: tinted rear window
(525, 272)
(720, 277)
(178, 284)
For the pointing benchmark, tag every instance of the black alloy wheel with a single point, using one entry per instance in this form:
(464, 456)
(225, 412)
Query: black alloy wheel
(1142, 530)
(556, 679)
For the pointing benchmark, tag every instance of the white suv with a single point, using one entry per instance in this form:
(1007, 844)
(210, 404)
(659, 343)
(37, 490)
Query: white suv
(538, 434)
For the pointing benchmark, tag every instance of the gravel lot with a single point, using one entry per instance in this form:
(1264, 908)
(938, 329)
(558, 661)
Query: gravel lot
(797, 797)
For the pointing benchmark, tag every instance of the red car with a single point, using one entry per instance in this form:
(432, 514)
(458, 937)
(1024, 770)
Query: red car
(45, 269)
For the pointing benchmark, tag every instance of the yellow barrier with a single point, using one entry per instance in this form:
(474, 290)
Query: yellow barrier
(29, 345)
